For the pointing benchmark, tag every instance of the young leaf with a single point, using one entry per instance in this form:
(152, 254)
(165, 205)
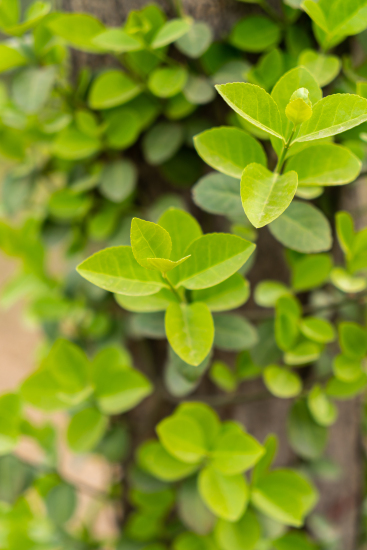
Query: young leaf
(254, 104)
(86, 429)
(346, 368)
(214, 258)
(267, 293)
(296, 78)
(303, 228)
(183, 229)
(71, 144)
(344, 18)
(218, 194)
(287, 316)
(255, 34)
(183, 438)
(346, 282)
(293, 539)
(10, 58)
(345, 231)
(149, 240)
(171, 31)
(235, 451)
(190, 331)
(325, 164)
(229, 150)
(238, 535)
(225, 496)
(230, 294)
(112, 88)
(223, 376)
(285, 496)
(116, 270)
(154, 458)
(10, 422)
(302, 354)
(311, 271)
(282, 382)
(265, 195)
(332, 115)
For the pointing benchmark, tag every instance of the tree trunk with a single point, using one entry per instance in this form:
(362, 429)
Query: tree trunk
(340, 501)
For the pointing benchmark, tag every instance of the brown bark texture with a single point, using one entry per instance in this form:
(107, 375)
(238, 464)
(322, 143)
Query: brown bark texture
(340, 500)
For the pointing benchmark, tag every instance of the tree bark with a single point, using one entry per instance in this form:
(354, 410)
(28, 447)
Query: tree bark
(340, 501)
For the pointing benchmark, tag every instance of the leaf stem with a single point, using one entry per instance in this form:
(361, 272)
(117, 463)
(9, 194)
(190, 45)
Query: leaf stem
(174, 289)
(281, 158)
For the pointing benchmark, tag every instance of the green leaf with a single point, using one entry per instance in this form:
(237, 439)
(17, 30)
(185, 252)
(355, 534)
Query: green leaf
(267, 293)
(162, 141)
(112, 88)
(344, 18)
(265, 195)
(234, 333)
(190, 331)
(321, 408)
(345, 230)
(255, 33)
(353, 340)
(9, 13)
(167, 81)
(196, 41)
(214, 258)
(117, 40)
(282, 382)
(86, 429)
(123, 126)
(346, 282)
(296, 78)
(147, 325)
(71, 144)
(323, 67)
(262, 467)
(223, 377)
(346, 390)
(240, 535)
(229, 150)
(147, 304)
(118, 180)
(230, 294)
(253, 104)
(235, 451)
(311, 271)
(225, 496)
(171, 31)
(287, 317)
(302, 354)
(61, 503)
(303, 228)
(332, 115)
(153, 458)
(10, 58)
(183, 438)
(198, 90)
(306, 437)
(61, 381)
(294, 540)
(268, 69)
(285, 496)
(31, 88)
(77, 29)
(325, 164)
(116, 270)
(218, 194)
(317, 329)
(10, 421)
(33, 15)
(204, 416)
(187, 541)
(65, 204)
(118, 388)
(149, 240)
(192, 510)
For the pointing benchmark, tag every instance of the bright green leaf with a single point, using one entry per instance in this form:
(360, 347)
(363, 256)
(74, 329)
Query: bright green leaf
(225, 496)
(230, 294)
(86, 429)
(112, 88)
(282, 382)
